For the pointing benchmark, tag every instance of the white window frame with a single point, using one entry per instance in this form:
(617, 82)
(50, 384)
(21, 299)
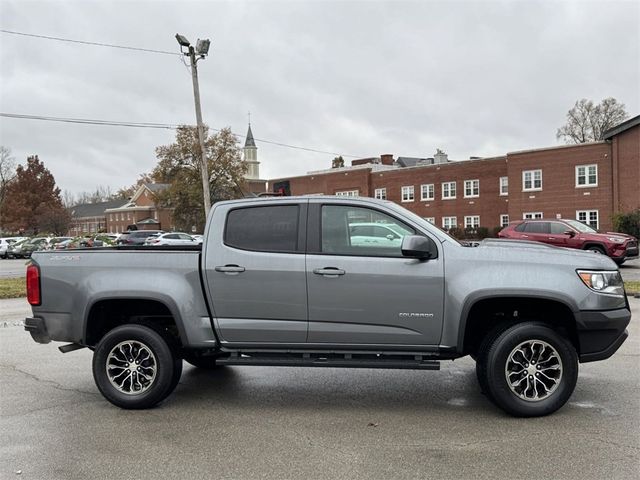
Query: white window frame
(348, 193)
(532, 215)
(504, 219)
(473, 186)
(380, 193)
(470, 221)
(408, 193)
(587, 219)
(430, 191)
(504, 185)
(448, 220)
(532, 180)
(431, 220)
(586, 175)
(446, 189)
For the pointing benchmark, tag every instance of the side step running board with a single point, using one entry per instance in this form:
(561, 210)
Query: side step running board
(332, 360)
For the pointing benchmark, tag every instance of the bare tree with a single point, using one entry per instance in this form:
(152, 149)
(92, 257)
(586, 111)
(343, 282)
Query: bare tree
(7, 171)
(587, 122)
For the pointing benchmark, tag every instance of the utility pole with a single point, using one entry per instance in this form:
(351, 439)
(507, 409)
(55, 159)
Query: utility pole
(200, 51)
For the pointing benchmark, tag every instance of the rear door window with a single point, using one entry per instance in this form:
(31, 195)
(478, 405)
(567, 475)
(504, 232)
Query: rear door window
(537, 227)
(263, 229)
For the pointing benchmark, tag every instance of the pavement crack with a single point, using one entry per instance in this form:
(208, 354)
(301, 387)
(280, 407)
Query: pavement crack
(50, 383)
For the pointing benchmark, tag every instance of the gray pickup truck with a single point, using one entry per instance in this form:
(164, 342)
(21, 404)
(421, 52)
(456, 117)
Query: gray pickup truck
(279, 282)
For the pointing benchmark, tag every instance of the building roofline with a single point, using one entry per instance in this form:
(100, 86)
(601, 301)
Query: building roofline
(622, 127)
(557, 147)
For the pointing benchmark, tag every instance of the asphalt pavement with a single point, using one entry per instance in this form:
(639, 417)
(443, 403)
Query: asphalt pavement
(11, 268)
(282, 423)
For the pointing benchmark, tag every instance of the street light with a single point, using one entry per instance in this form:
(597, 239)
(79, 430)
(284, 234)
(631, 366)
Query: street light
(182, 40)
(202, 48)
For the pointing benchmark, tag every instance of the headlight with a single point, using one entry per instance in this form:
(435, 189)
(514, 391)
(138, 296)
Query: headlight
(616, 239)
(609, 282)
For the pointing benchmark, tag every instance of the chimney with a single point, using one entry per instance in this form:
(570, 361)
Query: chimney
(386, 159)
(440, 157)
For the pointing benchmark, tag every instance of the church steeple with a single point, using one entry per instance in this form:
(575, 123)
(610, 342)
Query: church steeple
(249, 142)
(251, 156)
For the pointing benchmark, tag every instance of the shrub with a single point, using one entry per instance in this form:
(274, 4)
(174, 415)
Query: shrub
(628, 223)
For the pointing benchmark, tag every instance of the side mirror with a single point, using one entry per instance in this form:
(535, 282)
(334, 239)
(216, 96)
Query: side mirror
(417, 246)
(571, 233)
(390, 237)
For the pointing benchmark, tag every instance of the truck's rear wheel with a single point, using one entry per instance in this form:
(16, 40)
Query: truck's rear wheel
(134, 368)
(528, 369)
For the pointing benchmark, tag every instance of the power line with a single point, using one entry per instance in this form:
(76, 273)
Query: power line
(166, 126)
(83, 42)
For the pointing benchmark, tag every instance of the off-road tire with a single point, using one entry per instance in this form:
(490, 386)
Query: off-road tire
(164, 367)
(493, 361)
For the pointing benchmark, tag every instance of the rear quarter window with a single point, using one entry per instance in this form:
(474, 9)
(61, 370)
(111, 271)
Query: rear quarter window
(263, 229)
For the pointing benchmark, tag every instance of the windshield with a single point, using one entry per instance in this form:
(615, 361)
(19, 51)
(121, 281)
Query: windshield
(581, 227)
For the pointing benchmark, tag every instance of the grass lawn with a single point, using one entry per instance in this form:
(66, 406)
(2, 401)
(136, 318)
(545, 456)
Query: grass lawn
(632, 286)
(13, 288)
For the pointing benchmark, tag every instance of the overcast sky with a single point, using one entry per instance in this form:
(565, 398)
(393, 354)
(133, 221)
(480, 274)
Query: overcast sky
(360, 78)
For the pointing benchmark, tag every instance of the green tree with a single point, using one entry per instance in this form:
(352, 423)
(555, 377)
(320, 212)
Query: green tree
(587, 122)
(32, 202)
(179, 166)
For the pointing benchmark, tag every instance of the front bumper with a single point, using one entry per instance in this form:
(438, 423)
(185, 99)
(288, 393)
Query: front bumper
(600, 333)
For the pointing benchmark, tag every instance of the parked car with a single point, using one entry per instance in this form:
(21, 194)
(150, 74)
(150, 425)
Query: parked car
(136, 237)
(37, 243)
(172, 238)
(277, 283)
(14, 250)
(65, 244)
(574, 234)
(378, 235)
(6, 242)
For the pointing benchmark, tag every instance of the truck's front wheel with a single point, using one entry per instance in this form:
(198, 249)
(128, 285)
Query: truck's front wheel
(528, 369)
(133, 367)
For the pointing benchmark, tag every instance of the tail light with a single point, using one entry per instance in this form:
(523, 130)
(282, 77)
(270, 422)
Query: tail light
(33, 284)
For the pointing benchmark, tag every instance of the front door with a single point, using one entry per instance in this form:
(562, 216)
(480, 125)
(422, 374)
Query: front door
(255, 273)
(362, 290)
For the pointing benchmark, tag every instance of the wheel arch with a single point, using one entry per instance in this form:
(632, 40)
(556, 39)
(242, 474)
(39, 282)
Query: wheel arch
(108, 312)
(483, 313)
(596, 244)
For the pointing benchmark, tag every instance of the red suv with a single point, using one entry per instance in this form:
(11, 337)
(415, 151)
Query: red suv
(574, 234)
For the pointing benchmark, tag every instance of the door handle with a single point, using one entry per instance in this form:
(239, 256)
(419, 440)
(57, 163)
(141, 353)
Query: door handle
(329, 271)
(231, 269)
(525, 236)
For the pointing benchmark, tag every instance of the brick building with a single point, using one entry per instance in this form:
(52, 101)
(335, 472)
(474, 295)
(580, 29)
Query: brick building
(589, 182)
(140, 211)
(90, 217)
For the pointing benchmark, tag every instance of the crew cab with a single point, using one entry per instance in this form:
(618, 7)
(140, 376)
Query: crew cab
(574, 234)
(280, 282)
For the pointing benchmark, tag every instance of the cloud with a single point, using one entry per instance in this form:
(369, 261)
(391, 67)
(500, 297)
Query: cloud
(359, 78)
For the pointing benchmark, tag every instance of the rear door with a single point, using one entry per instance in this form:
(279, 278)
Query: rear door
(537, 231)
(368, 293)
(254, 266)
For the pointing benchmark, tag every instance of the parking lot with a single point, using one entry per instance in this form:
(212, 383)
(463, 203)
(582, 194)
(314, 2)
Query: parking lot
(263, 422)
